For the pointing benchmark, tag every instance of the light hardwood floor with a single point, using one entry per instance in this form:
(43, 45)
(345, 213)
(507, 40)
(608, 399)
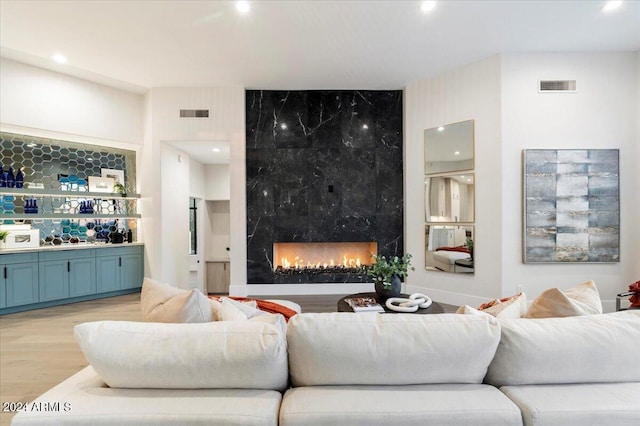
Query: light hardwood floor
(38, 350)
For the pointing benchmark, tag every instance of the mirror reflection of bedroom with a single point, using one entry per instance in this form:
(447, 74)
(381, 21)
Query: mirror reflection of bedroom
(449, 195)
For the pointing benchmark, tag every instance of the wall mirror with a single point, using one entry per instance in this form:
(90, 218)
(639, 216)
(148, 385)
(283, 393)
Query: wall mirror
(447, 248)
(450, 198)
(449, 148)
(449, 194)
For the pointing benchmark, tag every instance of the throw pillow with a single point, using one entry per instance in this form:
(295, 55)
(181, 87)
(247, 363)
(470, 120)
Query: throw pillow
(582, 299)
(164, 303)
(232, 310)
(507, 307)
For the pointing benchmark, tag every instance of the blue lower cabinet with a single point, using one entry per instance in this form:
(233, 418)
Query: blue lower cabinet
(20, 285)
(107, 273)
(82, 277)
(55, 277)
(131, 271)
(120, 268)
(54, 280)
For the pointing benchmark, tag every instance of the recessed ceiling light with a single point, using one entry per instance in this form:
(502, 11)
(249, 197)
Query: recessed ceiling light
(216, 150)
(456, 153)
(440, 129)
(283, 126)
(243, 6)
(428, 6)
(462, 176)
(365, 127)
(59, 58)
(611, 5)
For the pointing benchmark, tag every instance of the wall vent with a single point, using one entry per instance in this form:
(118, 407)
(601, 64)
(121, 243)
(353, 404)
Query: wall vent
(194, 113)
(546, 86)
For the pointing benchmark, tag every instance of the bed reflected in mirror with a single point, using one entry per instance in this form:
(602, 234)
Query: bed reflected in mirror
(449, 248)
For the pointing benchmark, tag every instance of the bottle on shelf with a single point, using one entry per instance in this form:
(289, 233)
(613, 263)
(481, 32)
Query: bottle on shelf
(19, 179)
(11, 180)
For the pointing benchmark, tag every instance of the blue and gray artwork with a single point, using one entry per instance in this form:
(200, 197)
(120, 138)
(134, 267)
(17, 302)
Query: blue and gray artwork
(572, 205)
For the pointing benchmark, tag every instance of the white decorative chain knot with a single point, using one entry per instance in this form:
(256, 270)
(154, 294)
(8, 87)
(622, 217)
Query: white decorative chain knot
(415, 301)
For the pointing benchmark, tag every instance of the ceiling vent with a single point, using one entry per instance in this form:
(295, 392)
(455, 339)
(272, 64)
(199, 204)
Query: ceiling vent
(194, 113)
(554, 86)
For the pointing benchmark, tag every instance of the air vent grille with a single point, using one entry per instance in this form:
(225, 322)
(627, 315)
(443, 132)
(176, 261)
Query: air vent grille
(557, 86)
(194, 113)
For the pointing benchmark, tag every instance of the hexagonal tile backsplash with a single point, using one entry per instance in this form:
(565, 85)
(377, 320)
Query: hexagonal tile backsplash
(43, 161)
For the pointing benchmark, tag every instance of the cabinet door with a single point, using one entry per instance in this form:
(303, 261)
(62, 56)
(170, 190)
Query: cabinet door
(130, 271)
(107, 273)
(82, 277)
(54, 280)
(218, 277)
(21, 284)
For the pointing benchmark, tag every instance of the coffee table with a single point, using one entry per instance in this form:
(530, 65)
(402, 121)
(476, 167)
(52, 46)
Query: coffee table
(343, 306)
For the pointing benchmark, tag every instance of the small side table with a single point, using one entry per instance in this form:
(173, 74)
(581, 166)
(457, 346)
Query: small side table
(463, 265)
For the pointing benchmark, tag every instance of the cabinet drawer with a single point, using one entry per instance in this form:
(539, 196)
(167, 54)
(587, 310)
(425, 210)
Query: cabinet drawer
(7, 259)
(118, 251)
(66, 254)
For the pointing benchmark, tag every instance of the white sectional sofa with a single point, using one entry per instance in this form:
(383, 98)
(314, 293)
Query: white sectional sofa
(356, 369)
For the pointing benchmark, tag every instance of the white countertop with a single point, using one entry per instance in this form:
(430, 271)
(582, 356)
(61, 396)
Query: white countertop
(78, 246)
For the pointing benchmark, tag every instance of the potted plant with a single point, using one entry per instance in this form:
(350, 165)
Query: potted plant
(3, 238)
(387, 274)
(470, 247)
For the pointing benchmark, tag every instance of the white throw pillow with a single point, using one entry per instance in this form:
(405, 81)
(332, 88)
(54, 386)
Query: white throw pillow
(164, 303)
(468, 310)
(215, 355)
(508, 307)
(582, 299)
(232, 310)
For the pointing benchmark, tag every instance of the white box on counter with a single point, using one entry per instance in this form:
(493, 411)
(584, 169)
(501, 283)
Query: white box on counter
(22, 238)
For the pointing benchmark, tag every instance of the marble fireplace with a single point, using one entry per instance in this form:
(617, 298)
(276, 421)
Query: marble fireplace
(322, 167)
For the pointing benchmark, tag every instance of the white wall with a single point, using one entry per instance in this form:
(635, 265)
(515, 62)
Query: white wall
(174, 181)
(162, 123)
(35, 98)
(470, 92)
(602, 114)
(197, 184)
(218, 183)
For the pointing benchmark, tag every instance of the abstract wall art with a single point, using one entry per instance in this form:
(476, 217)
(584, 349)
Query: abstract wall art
(571, 206)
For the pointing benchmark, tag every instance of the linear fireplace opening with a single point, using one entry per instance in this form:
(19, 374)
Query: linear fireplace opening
(322, 258)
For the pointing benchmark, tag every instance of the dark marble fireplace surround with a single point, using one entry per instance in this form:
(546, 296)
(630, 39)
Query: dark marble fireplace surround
(322, 166)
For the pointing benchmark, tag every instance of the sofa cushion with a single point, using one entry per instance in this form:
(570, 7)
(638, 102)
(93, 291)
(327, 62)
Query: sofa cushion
(232, 354)
(585, 349)
(445, 404)
(578, 404)
(163, 303)
(372, 349)
(91, 402)
(582, 299)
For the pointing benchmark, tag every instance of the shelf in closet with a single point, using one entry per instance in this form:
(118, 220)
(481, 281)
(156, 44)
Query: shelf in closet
(68, 194)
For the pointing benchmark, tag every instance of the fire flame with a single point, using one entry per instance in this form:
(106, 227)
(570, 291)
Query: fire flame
(299, 263)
